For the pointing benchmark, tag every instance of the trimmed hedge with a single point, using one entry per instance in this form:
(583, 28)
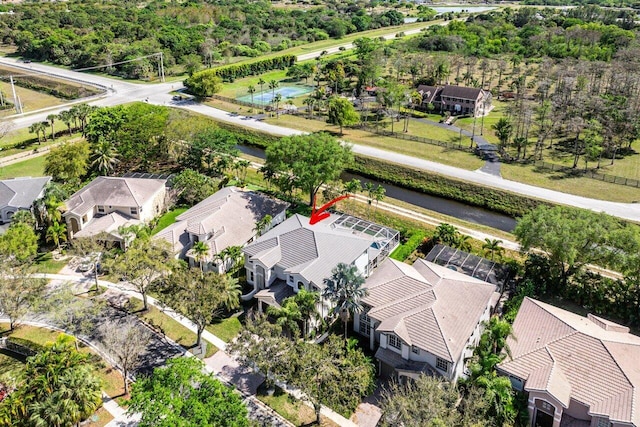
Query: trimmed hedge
(404, 251)
(21, 345)
(438, 185)
(232, 72)
(248, 136)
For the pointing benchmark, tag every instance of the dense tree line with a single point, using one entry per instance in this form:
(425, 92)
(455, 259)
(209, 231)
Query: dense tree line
(587, 32)
(94, 33)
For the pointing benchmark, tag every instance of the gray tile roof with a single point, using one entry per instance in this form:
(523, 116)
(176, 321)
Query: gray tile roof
(310, 250)
(230, 214)
(113, 191)
(20, 193)
(427, 305)
(461, 92)
(588, 359)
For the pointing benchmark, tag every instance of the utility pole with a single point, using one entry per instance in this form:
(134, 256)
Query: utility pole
(484, 104)
(16, 101)
(161, 68)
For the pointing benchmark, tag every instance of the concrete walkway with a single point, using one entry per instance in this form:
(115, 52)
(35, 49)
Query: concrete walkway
(222, 365)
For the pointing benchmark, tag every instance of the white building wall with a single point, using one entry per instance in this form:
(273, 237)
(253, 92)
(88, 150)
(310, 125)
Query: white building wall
(361, 263)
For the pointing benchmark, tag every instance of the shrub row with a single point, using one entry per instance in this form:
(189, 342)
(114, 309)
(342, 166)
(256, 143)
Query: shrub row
(438, 185)
(414, 240)
(20, 345)
(232, 72)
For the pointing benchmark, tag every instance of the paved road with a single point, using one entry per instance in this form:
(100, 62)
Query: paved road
(157, 94)
(389, 36)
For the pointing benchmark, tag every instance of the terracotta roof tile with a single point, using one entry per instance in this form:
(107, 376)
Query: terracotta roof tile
(591, 358)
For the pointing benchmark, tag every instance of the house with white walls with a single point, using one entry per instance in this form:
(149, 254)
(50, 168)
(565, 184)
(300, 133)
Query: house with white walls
(424, 318)
(297, 255)
(226, 218)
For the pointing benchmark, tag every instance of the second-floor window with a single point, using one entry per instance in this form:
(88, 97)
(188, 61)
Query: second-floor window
(134, 211)
(100, 209)
(604, 422)
(415, 350)
(365, 325)
(394, 341)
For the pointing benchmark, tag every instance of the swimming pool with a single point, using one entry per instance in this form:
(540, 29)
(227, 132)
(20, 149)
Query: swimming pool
(266, 96)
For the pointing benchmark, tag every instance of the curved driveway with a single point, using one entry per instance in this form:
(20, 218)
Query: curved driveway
(157, 94)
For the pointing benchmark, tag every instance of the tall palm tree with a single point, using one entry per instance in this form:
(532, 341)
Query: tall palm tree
(353, 187)
(463, 242)
(261, 82)
(233, 257)
(200, 252)
(67, 118)
(344, 289)
(308, 305)
(51, 118)
(309, 101)
(251, 89)
(37, 128)
(273, 85)
(446, 234)
(57, 233)
(262, 225)
(104, 157)
(230, 289)
(287, 316)
(378, 194)
(492, 246)
(277, 100)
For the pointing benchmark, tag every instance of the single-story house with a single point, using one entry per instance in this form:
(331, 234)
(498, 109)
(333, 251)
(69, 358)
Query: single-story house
(577, 371)
(18, 194)
(297, 255)
(108, 203)
(456, 99)
(425, 318)
(224, 219)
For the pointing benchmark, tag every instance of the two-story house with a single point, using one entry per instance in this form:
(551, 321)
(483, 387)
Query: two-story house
(425, 318)
(224, 219)
(297, 255)
(457, 99)
(577, 371)
(108, 203)
(19, 194)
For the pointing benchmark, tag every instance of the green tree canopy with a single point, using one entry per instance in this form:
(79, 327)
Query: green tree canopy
(306, 162)
(342, 113)
(182, 395)
(204, 83)
(19, 244)
(68, 162)
(574, 237)
(193, 187)
(201, 297)
(59, 389)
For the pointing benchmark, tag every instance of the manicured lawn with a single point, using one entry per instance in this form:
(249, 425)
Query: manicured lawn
(292, 409)
(226, 329)
(31, 167)
(27, 142)
(435, 153)
(171, 328)
(31, 99)
(580, 186)
(167, 219)
(46, 264)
